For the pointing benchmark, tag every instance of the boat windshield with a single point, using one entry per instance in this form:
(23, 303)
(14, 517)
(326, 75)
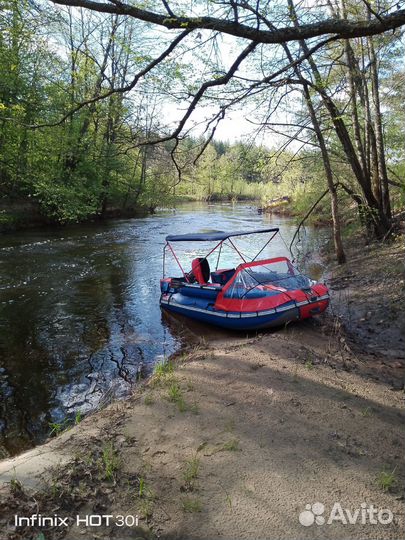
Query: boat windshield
(267, 279)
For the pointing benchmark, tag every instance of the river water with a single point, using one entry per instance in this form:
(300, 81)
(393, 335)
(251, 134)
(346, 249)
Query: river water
(79, 311)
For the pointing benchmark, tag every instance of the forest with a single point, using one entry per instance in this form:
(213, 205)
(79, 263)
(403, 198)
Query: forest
(98, 108)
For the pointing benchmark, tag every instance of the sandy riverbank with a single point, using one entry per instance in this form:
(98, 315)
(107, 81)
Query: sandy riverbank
(240, 435)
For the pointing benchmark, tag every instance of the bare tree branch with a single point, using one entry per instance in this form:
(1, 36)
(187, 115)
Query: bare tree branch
(203, 88)
(168, 9)
(218, 117)
(343, 28)
(371, 10)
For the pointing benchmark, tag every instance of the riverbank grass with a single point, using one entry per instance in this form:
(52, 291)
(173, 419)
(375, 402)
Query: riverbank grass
(387, 480)
(190, 473)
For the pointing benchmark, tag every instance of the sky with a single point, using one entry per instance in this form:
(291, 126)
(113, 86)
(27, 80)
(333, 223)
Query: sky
(238, 123)
(234, 127)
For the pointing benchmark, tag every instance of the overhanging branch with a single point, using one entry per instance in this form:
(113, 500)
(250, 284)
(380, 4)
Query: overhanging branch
(343, 28)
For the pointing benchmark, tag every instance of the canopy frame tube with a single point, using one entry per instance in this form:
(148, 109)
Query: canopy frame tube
(222, 236)
(178, 262)
(265, 245)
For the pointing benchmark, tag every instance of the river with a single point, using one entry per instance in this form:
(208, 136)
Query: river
(80, 321)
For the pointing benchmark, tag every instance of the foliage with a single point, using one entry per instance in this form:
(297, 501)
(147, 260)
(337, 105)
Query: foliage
(80, 165)
(99, 160)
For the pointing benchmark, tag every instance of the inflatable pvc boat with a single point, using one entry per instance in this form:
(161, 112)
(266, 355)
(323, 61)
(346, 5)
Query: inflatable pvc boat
(253, 295)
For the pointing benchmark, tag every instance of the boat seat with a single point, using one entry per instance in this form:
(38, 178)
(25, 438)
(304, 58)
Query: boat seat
(222, 276)
(200, 271)
(209, 292)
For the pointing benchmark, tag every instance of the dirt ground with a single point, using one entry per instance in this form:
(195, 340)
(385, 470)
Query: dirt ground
(368, 295)
(236, 436)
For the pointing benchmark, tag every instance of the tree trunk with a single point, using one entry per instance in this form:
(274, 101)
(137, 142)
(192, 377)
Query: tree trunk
(355, 115)
(337, 237)
(375, 213)
(382, 167)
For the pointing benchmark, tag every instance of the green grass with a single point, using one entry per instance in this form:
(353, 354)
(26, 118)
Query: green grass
(228, 500)
(58, 427)
(191, 469)
(191, 505)
(144, 491)
(174, 392)
(309, 364)
(175, 395)
(148, 400)
(386, 480)
(146, 509)
(194, 408)
(7, 218)
(367, 411)
(163, 373)
(15, 484)
(110, 462)
(229, 446)
(162, 368)
(141, 491)
(147, 496)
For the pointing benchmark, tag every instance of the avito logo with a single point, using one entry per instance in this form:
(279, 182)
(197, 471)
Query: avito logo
(366, 514)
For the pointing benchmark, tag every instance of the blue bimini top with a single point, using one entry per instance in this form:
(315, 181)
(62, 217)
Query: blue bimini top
(214, 236)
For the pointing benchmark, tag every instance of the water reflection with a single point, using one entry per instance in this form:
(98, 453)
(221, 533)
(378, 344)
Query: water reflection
(79, 312)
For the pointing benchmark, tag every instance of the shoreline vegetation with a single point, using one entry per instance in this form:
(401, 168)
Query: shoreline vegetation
(209, 446)
(22, 215)
(270, 189)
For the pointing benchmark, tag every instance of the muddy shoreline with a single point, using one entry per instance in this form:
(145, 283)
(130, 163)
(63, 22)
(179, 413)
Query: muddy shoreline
(367, 301)
(228, 441)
